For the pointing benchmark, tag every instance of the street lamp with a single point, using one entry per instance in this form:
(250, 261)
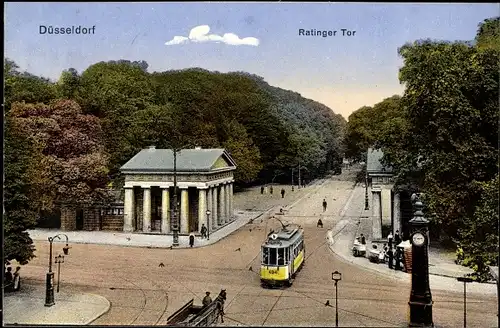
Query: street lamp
(175, 214)
(49, 287)
(465, 280)
(420, 298)
(58, 260)
(208, 224)
(336, 276)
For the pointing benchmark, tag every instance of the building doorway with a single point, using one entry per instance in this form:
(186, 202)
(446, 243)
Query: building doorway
(79, 219)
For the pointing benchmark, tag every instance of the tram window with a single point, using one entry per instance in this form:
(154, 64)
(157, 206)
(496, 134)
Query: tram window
(287, 254)
(265, 255)
(272, 256)
(281, 256)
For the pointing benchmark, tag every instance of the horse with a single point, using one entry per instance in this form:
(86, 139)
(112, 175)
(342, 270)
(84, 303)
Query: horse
(220, 304)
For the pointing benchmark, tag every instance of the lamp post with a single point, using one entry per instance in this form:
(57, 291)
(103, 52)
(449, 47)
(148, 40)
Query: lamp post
(208, 224)
(465, 280)
(292, 180)
(175, 213)
(58, 260)
(49, 286)
(336, 276)
(420, 298)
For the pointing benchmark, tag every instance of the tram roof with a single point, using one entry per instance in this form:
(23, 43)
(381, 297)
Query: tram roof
(284, 236)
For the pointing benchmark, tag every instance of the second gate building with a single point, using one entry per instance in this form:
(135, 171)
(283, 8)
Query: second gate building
(204, 182)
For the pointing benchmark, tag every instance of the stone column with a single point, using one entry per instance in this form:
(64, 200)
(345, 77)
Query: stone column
(215, 216)
(377, 213)
(146, 203)
(128, 210)
(222, 207)
(184, 210)
(231, 213)
(202, 208)
(228, 217)
(165, 210)
(210, 207)
(397, 214)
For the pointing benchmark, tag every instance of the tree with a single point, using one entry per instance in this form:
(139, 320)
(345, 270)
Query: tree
(114, 92)
(23, 86)
(21, 172)
(488, 34)
(72, 148)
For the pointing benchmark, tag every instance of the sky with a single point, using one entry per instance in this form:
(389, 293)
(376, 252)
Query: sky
(344, 72)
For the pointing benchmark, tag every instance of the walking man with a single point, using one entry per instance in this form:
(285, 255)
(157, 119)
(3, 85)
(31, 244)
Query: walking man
(390, 256)
(389, 240)
(271, 190)
(203, 231)
(191, 239)
(324, 204)
(397, 238)
(282, 192)
(262, 190)
(363, 239)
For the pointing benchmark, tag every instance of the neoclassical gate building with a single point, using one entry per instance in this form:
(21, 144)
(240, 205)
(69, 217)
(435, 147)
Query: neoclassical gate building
(204, 181)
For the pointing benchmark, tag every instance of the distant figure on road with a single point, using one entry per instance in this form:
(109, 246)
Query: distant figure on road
(397, 238)
(282, 192)
(389, 240)
(319, 224)
(324, 204)
(363, 240)
(262, 190)
(207, 299)
(398, 258)
(390, 256)
(265, 190)
(17, 279)
(203, 231)
(271, 190)
(191, 239)
(8, 277)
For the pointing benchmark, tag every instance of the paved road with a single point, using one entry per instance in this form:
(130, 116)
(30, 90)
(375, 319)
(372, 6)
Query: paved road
(142, 293)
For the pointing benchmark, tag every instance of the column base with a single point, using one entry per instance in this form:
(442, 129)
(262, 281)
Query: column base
(128, 229)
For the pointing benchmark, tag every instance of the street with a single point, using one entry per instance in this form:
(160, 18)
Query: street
(142, 292)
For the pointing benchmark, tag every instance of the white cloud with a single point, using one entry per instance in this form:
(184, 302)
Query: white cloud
(200, 34)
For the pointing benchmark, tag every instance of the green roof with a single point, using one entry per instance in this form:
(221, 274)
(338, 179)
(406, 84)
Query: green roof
(188, 160)
(373, 163)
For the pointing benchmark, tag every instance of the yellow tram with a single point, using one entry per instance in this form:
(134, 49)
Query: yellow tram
(283, 255)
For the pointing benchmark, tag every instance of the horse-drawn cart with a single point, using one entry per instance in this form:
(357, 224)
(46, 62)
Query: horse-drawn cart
(191, 315)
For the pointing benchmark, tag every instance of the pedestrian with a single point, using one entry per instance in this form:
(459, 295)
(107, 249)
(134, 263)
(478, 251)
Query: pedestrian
(265, 190)
(207, 299)
(8, 278)
(191, 239)
(389, 240)
(262, 190)
(282, 192)
(319, 224)
(398, 258)
(390, 256)
(397, 238)
(203, 231)
(17, 279)
(324, 204)
(271, 190)
(363, 240)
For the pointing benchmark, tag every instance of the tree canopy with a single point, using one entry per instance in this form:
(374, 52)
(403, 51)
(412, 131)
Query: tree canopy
(65, 141)
(442, 136)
